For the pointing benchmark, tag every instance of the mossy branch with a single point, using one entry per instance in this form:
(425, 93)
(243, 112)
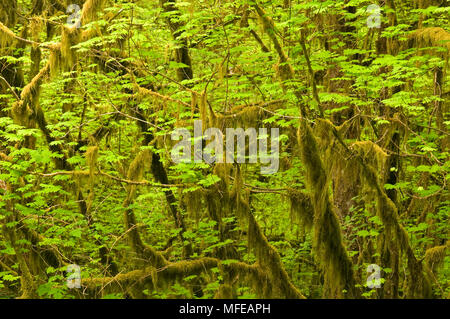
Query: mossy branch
(150, 277)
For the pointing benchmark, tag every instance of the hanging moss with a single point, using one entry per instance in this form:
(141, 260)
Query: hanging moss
(194, 99)
(91, 158)
(137, 166)
(434, 36)
(225, 292)
(89, 10)
(254, 276)
(8, 12)
(434, 257)
(301, 209)
(193, 202)
(36, 27)
(204, 111)
(246, 116)
(70, 36)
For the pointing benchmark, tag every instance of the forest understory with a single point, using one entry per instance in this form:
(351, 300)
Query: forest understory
(93, 203)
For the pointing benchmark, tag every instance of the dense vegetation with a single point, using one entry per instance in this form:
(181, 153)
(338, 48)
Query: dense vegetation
(89, 99)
